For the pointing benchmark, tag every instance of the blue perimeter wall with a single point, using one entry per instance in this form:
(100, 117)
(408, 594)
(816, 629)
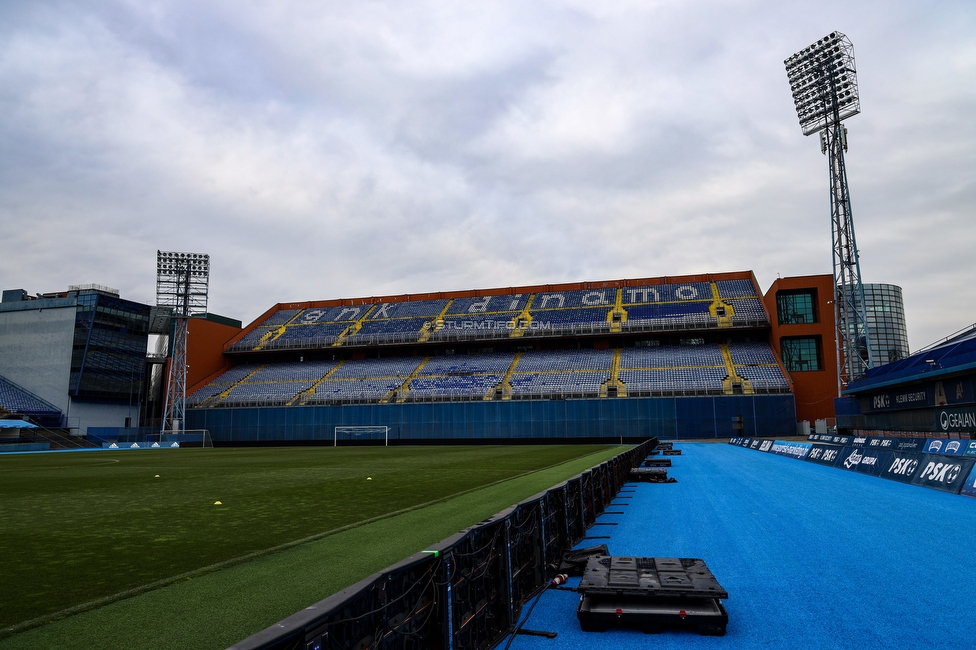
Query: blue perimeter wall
(663, 417)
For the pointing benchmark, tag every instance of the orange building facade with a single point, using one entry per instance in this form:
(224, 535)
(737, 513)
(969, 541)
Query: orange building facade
(801, 312)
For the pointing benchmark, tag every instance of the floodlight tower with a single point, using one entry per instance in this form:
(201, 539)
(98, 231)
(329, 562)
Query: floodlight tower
(182, 282)
(824, 84)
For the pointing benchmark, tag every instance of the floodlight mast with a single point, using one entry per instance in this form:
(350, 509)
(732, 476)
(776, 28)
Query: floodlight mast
(824, 84)
(182, 284)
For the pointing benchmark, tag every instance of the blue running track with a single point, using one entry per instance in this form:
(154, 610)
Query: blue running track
(812, 556)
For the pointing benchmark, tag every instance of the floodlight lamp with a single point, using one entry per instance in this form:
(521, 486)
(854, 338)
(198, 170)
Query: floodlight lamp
(823, 80)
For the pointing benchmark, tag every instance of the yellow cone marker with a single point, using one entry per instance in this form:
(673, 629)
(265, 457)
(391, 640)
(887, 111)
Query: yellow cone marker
(157, 475)
(369, 478)
(218, 503)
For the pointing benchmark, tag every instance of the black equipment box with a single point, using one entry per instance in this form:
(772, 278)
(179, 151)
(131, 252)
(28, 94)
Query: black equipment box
(651, 475)
(664, 445)
(653, 452)
(652, 594)
(657, 462)
(671, 452)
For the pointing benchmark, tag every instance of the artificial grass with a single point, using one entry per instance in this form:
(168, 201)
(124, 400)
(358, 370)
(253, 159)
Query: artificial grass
(223, 606)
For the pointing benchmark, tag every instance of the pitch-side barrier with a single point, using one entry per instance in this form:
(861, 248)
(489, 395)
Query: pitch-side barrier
(939, 463)
(468, 591)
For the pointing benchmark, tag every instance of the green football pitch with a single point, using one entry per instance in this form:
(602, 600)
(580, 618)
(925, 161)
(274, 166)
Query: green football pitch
(104, 548)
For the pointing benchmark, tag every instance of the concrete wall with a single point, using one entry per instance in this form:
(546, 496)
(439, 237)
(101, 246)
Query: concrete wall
(35, 350)
(93, 414)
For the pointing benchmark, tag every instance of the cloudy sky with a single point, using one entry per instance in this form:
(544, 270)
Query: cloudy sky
(339, 149)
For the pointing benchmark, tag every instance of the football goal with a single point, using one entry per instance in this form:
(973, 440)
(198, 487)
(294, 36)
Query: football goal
(362, 433)
(186, 438)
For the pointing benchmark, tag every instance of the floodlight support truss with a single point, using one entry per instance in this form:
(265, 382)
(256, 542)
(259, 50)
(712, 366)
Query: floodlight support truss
(174, 411)
(853, 340)
(182, 284)
(823, 79)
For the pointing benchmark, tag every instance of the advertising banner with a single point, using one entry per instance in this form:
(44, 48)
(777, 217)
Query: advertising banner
(859, 441)
(765, 445)
(908, 444)
(823, 454)
(873, 461)
(901, 467)
(955, 419)
(945, 473)
(754, 443)
(796, 450)
(969, 487)
(864, 460)
(954, 392)
(969, 448)
(821, 437)
(943, 446)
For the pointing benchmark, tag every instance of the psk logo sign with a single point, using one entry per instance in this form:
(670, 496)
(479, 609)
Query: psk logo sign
(830, 455)
(941, 472)
(903, 466)
(881, 402)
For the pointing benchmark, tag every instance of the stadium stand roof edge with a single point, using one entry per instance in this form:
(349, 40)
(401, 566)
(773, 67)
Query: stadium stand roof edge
(946, 359)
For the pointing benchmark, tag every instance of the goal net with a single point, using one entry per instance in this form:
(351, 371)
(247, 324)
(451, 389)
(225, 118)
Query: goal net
(362, 434)
(186, 438)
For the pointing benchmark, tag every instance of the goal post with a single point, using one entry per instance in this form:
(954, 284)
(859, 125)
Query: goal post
(187, 438)
(361, 433)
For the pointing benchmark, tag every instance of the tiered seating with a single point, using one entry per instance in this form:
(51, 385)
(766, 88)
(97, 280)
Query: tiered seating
(17, 400)
(367, 380)
(671, 306)
(491, 325)
(266, 385)
(674, 380)
(358, 390)
(736, 289)
(752, 353)
(265, 394)
(756, 362)
(749, 311)
(763, 377)
(294, 371)
(558, 384)
(667, 369)
(565, 361)
(557, 373)
(459, 377)
(682, 314)
(672, 356)
(306, 335)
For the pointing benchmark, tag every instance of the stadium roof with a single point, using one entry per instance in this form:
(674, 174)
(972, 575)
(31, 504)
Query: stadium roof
(955, 356)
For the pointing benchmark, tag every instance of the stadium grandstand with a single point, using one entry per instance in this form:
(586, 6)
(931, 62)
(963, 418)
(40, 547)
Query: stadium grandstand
(672, 357)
